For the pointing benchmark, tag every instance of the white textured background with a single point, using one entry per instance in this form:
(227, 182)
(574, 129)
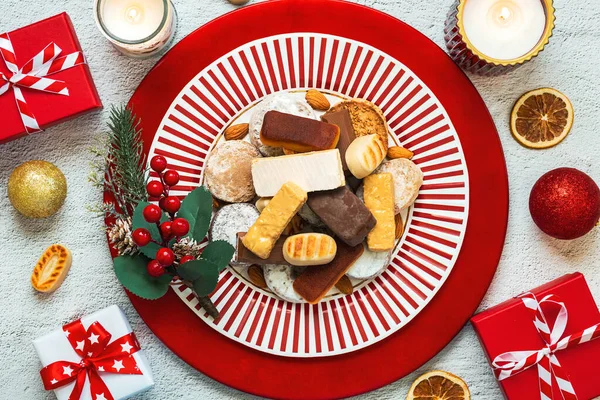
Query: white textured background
(570, 63)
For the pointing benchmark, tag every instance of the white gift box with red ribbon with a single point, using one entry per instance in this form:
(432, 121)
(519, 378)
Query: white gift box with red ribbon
(55, 347)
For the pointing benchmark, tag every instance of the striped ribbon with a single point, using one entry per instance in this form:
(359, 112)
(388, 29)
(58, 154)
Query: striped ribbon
(513, 362)
(33, 76)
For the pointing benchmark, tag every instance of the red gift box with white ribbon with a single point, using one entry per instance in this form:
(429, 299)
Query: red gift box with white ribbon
(542, 344)
(44, 78)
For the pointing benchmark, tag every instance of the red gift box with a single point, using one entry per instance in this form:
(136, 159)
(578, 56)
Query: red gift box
(509, 327)
(48, 108)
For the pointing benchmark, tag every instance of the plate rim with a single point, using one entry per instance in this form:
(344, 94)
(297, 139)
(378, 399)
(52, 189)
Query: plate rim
(317, 385)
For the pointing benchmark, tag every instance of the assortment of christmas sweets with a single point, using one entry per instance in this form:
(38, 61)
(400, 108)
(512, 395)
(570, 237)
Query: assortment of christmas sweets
(310, 194)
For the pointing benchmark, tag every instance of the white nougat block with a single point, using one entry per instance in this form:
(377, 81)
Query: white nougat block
(314, 171)
(55, 347)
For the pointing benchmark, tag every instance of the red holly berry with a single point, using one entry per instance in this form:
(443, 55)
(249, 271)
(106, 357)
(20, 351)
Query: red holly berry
(141, 237)
(158, 163)
(152, 213)
(185, 259)
(166, 230)
(171, 204)
(165, 256)
(171, 177)
(155, 269)
(161, 202)
(180, 227)
(155, 188)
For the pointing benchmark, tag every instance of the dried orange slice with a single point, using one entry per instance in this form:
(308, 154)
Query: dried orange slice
(439, 385)
(541, 118)
(51, 269)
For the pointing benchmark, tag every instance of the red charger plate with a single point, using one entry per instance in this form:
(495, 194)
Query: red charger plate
(384, 362)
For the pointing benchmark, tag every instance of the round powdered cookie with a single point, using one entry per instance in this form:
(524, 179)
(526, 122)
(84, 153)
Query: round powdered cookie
(367, 118)
(369, 264)
(230, 220)
(408, 179)
(280, 279)
(229, 171)
(282, 102)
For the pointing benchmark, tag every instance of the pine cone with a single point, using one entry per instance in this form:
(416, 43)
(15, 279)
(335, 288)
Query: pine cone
(119, 235)
(187, 247)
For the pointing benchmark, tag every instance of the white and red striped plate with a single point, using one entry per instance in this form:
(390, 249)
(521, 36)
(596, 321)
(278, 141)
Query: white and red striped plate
(435, 226)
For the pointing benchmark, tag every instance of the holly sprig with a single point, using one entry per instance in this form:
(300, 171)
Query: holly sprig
(158, 227)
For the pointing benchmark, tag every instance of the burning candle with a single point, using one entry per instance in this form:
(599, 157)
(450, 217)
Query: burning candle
(493, 36)
(138, 28)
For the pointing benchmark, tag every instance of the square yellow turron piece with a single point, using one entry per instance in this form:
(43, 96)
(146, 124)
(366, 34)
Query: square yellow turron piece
(261, 236)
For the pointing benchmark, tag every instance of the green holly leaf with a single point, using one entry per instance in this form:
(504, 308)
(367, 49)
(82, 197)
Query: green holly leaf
(203, 273)
(197, 209)
(150, 250)
(218, 253)
(191, 270)
(131, 272)
(207, 283)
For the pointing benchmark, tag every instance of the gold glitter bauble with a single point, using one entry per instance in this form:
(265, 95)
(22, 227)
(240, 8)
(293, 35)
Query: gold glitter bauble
(37, 189)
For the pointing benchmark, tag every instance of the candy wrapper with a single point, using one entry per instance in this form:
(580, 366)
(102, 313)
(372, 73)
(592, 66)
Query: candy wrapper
(94, 358)
(542, 344)
(44, 78)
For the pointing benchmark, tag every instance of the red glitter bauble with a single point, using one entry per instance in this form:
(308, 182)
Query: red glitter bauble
(565, 203)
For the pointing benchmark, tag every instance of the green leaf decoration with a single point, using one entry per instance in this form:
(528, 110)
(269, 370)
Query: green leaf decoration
(131, 272)
(197, 209)
(203, 273)
(150, 250)
(192, 270)
(219, 253)
(207, 283)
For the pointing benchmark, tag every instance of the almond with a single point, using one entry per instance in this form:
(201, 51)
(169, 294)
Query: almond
(215, 203)
(344, 285)
(236, 132)
(399, 226)
(399, 152)
(317, 100)
(256, 275)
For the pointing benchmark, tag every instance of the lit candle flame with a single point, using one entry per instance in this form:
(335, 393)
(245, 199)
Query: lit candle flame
(505, 15)
(134, 14)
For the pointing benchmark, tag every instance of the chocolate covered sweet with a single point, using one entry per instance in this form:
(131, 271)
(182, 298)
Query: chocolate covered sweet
(314, 283)
(245, 256)
(298, 134)
(344, 213)
(342, 119)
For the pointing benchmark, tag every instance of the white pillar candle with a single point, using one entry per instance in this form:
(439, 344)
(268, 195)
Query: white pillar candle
(132, 19)
(504, 29)
(136, 27)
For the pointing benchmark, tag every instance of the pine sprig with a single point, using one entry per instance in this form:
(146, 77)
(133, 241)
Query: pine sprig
(119, 163)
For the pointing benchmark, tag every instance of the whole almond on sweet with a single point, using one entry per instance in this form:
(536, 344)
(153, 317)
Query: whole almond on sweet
(399, 226)
(256, 275)
(344, 285)
(399, 152)
(317, 100)
(236, 132)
